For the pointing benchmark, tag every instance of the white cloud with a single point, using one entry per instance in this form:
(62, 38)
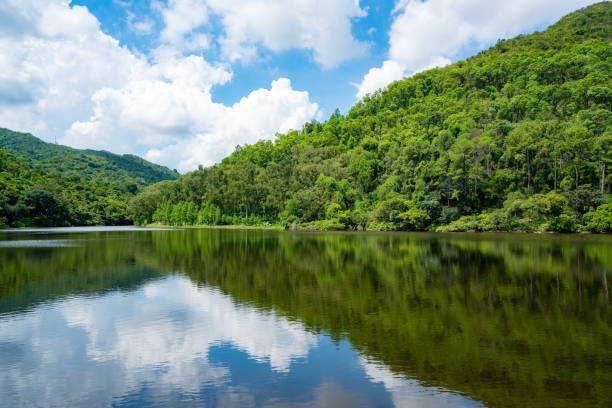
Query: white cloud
(182, 17)
(60, 58)
(258, 116)
(174, 112)
(144, 26)
(380, 77)
(430, 33)
(320, 26)
(63, 77)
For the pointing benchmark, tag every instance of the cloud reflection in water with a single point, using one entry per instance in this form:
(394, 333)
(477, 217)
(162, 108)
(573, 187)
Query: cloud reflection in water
(173, 342)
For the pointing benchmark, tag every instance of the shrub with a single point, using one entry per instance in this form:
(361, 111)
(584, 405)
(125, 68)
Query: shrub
(401, 213)
(600, 220)
(325, 225)
(563, 223)
(449, 214)
(465, 223)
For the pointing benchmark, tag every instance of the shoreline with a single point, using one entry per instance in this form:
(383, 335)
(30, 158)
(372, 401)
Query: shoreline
(277, 227)
(233, 227)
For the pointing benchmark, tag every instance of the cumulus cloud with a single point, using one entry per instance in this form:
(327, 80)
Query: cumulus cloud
(426, 34)
(320, 26)
(377, 78)
(59, 57)
(169, 102)
(183, 118)
(63, 77)
(182, 17)
(258, 116)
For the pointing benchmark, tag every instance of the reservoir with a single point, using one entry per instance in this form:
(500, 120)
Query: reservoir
(247, 318)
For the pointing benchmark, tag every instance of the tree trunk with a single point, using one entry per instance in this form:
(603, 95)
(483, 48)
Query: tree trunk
(555, 175)
(576, 171)
(246, 206)
(475, 173)
(603, 178)
(465, 176)
(528, 174)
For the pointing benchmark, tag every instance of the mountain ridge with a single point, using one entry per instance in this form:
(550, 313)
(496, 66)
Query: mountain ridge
(89, 163)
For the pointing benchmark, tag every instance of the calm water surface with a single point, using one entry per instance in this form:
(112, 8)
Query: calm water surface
(134, 317)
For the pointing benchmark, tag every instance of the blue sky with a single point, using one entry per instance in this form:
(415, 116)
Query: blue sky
(182, 82)
(330, 88)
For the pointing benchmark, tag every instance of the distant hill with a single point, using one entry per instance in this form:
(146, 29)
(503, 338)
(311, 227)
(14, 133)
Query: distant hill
(90, 164)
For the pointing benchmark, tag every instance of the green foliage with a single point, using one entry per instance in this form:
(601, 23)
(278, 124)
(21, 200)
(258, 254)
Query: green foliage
(518, 137)
(43, 184)
(539, 212)
(600, 220)
(401, 214)
(36, 198)
(333, 224)
(90, 164)
(563, 223)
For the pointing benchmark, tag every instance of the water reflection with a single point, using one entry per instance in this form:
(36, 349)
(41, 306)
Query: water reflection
(171, 341)
(261, 319)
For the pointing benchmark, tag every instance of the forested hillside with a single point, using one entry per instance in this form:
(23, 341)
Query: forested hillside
(518, 137)
(91, 164)
(32, 197)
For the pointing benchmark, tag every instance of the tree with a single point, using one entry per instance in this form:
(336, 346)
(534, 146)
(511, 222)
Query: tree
(578, 142)
(522, 143)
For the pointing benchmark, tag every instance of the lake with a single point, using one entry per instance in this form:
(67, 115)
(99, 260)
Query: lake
(141, 317)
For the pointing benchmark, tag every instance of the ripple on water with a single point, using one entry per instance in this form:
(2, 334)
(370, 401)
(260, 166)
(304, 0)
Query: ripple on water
(39, 243)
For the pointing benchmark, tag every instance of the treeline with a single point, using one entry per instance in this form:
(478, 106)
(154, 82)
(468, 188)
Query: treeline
(518, 137)
(32, 197)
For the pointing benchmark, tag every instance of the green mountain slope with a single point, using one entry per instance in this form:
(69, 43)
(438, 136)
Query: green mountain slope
(33, 197)
(92, 164)
(518, 137)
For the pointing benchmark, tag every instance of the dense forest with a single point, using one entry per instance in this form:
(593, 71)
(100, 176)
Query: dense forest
(42, 184)
(518, 137)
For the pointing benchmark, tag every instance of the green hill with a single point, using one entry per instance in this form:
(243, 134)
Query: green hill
(518, 137)
(45, 185)
(33, 197)
(91, 164)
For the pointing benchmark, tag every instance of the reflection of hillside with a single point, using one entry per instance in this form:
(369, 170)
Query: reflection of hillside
(102, 262)
(509, 320)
